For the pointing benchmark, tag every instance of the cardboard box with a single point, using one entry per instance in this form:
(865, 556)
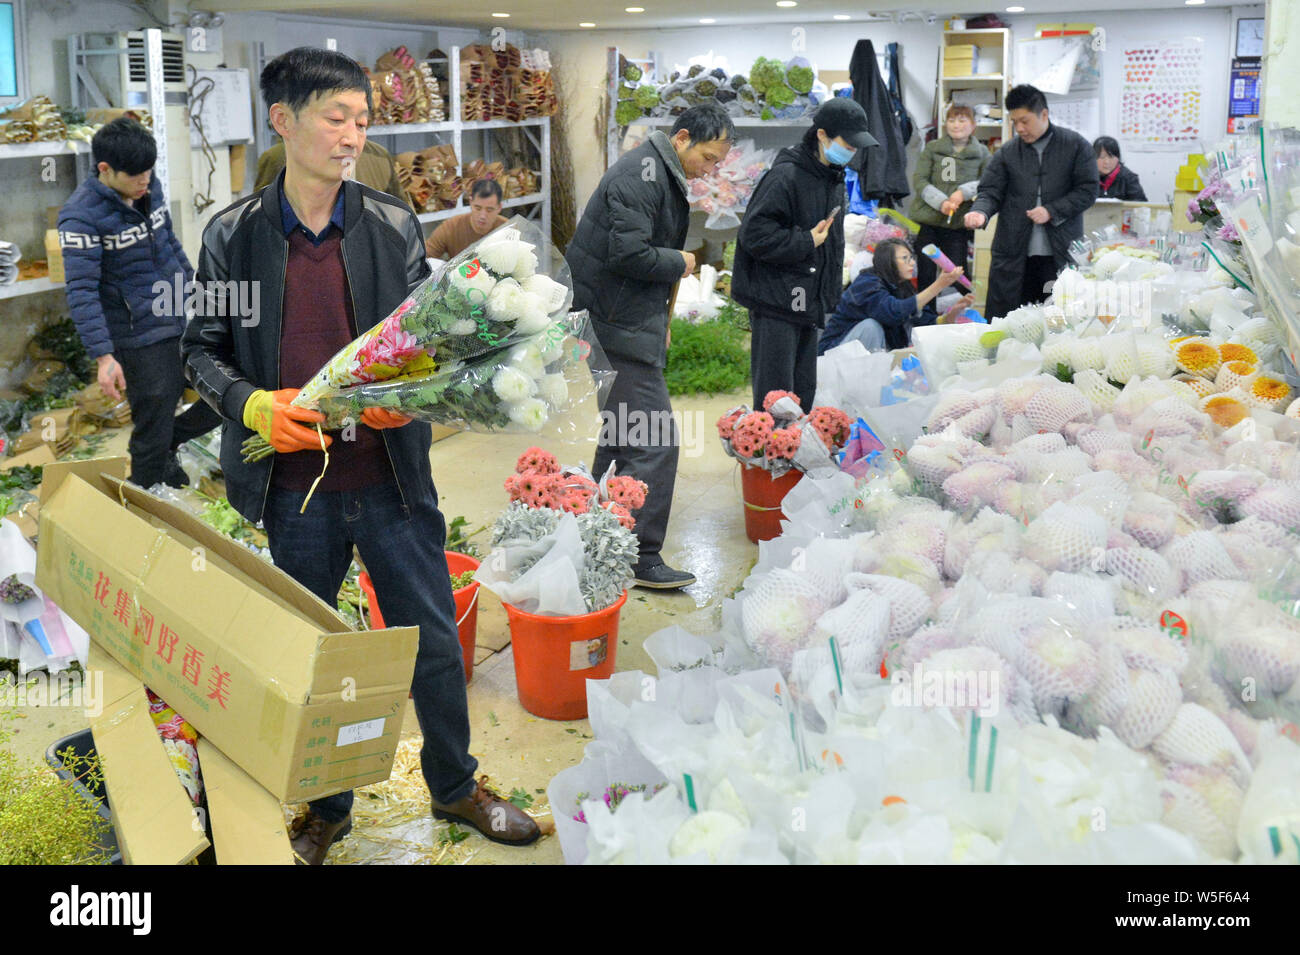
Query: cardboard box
(153, 817)
(263, 669)
(956, 69)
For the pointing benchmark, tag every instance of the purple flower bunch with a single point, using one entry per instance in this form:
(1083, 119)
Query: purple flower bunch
(1203, 208)
(13, 591)
(614, 794)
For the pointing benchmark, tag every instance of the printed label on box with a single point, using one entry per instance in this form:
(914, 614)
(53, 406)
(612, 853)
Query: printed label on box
(360, 732)
(585, 654)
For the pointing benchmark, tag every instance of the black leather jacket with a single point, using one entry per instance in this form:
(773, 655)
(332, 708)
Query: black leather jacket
(228, 357)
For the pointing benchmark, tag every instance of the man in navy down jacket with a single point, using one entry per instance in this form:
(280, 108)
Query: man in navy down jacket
(126, 272)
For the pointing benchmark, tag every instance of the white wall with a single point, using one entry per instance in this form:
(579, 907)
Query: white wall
(579, 57)
(1216, 26)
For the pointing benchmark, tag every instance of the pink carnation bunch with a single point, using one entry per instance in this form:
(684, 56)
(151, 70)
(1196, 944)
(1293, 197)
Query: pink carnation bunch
(618, 510)
(832, 425)
(774, 396)
(727, 423)
(628, 491)
(783, 443)
(535, 459)
(751, 434)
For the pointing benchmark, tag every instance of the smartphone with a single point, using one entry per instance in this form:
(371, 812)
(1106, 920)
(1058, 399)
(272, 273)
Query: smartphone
(835, 212)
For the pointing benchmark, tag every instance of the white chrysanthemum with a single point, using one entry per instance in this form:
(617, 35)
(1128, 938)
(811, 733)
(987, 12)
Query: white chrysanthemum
(507, 301)
(529, 414)
(528, 359)
(464, 326)
(551, 293)
(554, 390)
(552, 347)
(704, 832)
(526, 266)
(534, 319)
(513, 385)
(476, 287)
(501, 257)
(1086, 353)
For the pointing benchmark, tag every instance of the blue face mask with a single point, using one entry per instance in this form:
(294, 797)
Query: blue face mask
(838, 155)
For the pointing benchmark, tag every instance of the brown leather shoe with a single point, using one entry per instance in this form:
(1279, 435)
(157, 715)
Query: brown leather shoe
(498, 819)
(311, 837)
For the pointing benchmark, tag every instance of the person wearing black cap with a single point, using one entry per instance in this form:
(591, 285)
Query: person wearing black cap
(790, 250)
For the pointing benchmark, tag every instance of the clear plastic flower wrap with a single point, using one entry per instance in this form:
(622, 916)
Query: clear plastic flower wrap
(504, 290)
(544, 384)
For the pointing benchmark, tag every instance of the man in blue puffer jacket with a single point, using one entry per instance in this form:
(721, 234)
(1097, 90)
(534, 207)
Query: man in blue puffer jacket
(126, 273)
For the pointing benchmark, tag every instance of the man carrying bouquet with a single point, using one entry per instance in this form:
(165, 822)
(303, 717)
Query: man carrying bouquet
(334, 257)
(626, 259)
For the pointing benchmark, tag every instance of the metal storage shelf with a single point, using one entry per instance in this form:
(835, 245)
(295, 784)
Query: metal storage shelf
(537, 130)
(29, 287)
(457, 209)
(64, 147)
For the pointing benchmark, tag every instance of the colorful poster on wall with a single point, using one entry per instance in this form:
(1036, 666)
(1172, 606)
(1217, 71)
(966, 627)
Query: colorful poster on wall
(1160, 107)
(1243, 93)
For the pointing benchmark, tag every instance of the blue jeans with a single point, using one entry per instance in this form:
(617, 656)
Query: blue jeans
(402, 551)
(869, 332)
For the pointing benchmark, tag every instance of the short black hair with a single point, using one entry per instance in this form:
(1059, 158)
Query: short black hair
(884, 261)
(295, 77)
(706, 123)
(486, 187)
(1107, 144)
(1027, 97)
(126, 145)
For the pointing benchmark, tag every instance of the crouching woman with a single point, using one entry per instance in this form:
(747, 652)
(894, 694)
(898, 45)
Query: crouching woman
(882, 306)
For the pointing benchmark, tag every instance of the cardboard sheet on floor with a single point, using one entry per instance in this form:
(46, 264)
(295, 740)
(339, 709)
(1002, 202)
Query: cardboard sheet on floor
(247, 822)
(152, 814)
(266, 671)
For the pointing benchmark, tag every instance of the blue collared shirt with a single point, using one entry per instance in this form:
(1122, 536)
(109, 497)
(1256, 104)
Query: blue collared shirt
(289, 219)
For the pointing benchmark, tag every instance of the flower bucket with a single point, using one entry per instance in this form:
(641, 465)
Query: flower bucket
(762, 496)
(556, 656)
(466, 607)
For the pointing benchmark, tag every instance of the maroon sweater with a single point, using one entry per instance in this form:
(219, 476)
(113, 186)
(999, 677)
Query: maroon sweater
(317, 322)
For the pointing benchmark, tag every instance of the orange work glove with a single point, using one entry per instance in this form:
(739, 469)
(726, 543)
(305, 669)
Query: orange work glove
(271, 415)
(380, 418)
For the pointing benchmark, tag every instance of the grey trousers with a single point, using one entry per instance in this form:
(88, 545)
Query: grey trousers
(639, 436)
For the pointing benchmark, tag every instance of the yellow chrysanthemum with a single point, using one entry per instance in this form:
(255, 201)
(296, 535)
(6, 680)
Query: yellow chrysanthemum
(1230, 351)
(1198, 358)
(1224, 410)
(1235, 374)
(1269, 392)
(1202, 386)
(1175, 342)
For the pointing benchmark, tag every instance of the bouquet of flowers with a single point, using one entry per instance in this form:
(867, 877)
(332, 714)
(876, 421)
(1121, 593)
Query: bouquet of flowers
(565, 544)
(487, 318)
(781, 436)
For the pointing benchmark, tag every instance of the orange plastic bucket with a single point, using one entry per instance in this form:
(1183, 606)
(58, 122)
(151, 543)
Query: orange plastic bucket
(763, 495)
(556, 656)
(466, 607)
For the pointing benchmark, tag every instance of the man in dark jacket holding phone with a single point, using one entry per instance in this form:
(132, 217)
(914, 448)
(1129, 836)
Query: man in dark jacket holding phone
(1038, 185)
(626, 259)
(789, 268)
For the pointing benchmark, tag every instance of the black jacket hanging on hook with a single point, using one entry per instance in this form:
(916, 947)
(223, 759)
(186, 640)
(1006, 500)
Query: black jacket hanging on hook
(905, 125)
(882, 171)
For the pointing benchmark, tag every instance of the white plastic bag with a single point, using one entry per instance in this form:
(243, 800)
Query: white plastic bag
(551, 584)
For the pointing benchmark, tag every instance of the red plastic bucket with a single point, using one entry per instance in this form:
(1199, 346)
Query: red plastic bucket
(556, 656)
(762, 496)
(466, 607)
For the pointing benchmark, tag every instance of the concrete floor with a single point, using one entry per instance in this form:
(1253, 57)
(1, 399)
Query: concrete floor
(515, 749)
